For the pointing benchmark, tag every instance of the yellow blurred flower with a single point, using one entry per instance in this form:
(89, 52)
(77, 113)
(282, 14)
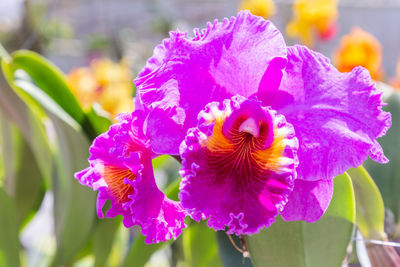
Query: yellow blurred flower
(262, 8)
(83, 85)
(105, 82)
(313, 17)
(359, 48)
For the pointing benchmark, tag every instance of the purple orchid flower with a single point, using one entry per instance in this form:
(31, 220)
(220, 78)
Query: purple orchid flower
(336, 118)
(261, 128)
(121, 170)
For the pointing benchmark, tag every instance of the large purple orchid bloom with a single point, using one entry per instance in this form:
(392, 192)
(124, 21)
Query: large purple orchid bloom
(261, 128)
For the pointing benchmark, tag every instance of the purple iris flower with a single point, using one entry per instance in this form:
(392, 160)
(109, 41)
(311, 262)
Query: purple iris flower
(261, 128)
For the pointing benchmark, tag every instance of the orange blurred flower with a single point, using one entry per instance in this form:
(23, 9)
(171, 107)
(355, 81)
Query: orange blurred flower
(396, 82)
(262, 8)
(105, 82)
(313, 17)
(359, 48)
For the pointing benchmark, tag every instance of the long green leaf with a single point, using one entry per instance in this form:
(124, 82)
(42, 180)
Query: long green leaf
(74, 203)
(24, 181)
(302, 244)
(49, 79)
(23, 81)
(9, 244)
(9, 141)
(42, 86)
(103, 237)
(370, 212)
(50, 91)
(29, 119)
(30, 189)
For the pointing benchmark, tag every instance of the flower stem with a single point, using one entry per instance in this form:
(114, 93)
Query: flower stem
(234, 244)
(244, 251)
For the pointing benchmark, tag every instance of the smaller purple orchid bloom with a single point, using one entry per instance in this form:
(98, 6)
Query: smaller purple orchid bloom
(261, 128)
(121, 170)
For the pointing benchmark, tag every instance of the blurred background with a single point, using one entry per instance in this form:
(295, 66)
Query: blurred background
(105, 43)
(71, 32)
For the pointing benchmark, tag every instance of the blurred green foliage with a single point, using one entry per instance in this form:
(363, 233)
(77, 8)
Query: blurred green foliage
(324, 241)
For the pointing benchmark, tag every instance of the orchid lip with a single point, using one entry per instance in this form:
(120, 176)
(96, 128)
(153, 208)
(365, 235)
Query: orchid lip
(245, 155)
(250, 126)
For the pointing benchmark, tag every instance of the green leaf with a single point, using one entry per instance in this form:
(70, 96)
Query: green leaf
(43, 88)
(49, 79)
(72, 200)
(119, 246)
(298, 243)
(103, 237)
(140, 253)
(49, 89)
(9, 141)
(9, 244)
(24, 181)
(172, 190)
(370, 212)
(161, 161)
(74, 210)
(387, 176)
(30, 189)
(24, 82)
(100, 123)
(200, 246)
(29, 119)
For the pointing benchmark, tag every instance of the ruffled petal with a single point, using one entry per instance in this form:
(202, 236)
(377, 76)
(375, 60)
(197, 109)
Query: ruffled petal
(121, 170)
(158, 128)
(225, 59)
(160, 218)
(233, 173)
(308, 201)
(337, 116)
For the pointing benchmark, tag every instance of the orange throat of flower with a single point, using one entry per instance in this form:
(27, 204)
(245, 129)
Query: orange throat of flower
(114, 178)
(243, 154)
